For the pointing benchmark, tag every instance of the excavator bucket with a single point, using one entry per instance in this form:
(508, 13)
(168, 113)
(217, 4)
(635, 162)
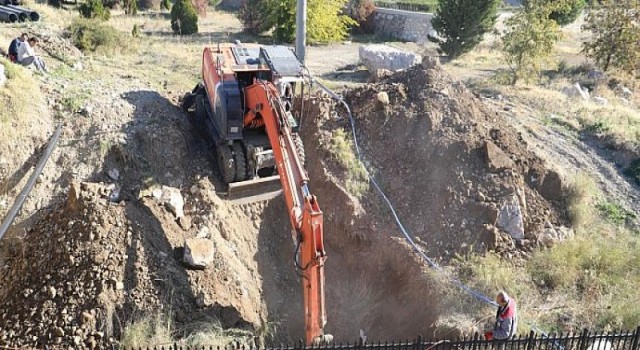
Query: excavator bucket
(256, 190)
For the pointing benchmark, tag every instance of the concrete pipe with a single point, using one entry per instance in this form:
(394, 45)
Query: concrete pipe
(22, 16)
(33, 15)
(10, 17)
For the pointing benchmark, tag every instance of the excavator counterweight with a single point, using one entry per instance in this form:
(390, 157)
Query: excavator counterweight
(245, 105)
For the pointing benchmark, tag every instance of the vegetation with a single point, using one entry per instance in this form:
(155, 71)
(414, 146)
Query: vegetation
(565, 11)
(615, 30)
(583, 282)
(184, 19)
(325, 22)
(94, 9)
(90, 35)
(165, 5)
(361, 11)
(409, 5)
(341, 147)
(20, 98)
(529, 40)
(255, 17)
(461, 24)
(131, 7)
(634, 170)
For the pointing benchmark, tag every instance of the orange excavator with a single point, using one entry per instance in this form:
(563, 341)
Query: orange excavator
(244, 103)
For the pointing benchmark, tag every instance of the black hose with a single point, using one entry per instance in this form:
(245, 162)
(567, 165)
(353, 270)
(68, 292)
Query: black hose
(32, 181)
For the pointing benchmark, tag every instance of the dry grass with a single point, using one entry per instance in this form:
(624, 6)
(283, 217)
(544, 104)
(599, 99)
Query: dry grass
(151, 331)
(341, 147)
(21, 104)
(585, 282)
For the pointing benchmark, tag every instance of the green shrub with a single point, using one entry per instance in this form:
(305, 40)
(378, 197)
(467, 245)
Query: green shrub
(255, 16)
(326, 21)
(614, 213)
(165, 5)
(94, 9)
(184, 19)
(341, 148)
(131, 7)
(90, 35)
(565, 11)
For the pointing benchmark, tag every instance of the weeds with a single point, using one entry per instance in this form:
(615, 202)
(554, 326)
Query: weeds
(341, 148)
(149, 331)
(91, 35)
(580, 195)
(615, 213)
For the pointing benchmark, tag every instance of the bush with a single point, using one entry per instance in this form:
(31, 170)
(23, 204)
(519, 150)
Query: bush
(184, 19)
(461, 24)
(94, 9)
(149, 4)
(55, 3)
(326, 23)
(362, 12)
(255, 16)
(284, 17)
(90, 35)
(165, 5)
(131, 7)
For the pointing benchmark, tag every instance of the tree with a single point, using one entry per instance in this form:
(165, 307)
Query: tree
(529, 40)
(362, 11)
(325, 21)
(615, 30)
(94, 9)
(255, 16)
(184, 19)
(565, 11)
(461, 24)
(284, 17)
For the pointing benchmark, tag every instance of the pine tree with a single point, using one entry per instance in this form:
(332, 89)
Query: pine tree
(615, 29)
(184, 19)
(461, 24)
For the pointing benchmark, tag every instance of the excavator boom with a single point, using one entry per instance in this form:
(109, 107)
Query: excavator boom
(263, 100)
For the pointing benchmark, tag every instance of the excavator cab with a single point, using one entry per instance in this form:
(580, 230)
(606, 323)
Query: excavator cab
(217, 106)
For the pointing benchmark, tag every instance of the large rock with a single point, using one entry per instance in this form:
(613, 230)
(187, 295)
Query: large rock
(497, 160)
(198, 252)
(577, 91)
(552, 186)
(510, 218)
(378, 56)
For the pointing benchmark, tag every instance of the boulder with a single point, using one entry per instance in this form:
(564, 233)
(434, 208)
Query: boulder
(600, 101)
(198, 252)
(552, 186)
(510, 218)
(576, 91)
(378, 56)
(497, 160)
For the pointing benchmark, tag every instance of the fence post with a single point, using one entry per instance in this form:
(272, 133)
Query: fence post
(531, 342)
(636, 339)
(584, 338)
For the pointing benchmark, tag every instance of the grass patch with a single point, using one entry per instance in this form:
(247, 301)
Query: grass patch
(211, 333)
(151, 331)
(580, 195)
(615, 213)
(91, 35)
(341, 148)
(20, 101)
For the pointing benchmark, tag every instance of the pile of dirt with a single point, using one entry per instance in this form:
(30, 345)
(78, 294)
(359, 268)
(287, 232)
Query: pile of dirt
(459, 176)
(66, 276)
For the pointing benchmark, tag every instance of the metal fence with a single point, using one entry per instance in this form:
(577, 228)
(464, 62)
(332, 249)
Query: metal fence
(533, 341)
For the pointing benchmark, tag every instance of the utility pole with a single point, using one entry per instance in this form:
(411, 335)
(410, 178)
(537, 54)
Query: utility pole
(301, 28)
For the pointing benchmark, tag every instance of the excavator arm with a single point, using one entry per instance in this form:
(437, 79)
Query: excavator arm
(263, 100)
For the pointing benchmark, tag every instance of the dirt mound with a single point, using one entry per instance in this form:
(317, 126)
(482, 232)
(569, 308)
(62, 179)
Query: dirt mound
(66, 277)
(458, 174)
